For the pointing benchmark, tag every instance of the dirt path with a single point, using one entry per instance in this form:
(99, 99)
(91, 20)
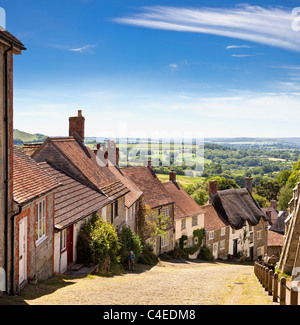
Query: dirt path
(185, 283)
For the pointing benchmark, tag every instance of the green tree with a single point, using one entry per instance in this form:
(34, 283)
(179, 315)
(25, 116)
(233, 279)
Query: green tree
(268, 188)
(129, 241)
(284, 197)
(283, 177)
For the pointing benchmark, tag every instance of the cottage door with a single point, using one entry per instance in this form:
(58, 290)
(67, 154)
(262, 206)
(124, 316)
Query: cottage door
(215, 250)
(70, 245)
(22, 250)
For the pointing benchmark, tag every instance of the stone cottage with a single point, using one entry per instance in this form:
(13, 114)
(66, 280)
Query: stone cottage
(188, 215)
(33, 225)
(158, 200)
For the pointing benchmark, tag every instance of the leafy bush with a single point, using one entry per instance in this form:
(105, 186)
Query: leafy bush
(205, 254)
(148, 257)
(129, 241)
(97, 243)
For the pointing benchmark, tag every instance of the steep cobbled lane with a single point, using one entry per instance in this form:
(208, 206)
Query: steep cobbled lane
(168, 283)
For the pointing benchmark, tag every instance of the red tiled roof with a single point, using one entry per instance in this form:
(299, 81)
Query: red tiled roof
(73, 200)
(211, 219)
(144, 178)
(84, 161)
(184, 205)
(29, 179)
(271, 213)
(134, 192)
(275, 238)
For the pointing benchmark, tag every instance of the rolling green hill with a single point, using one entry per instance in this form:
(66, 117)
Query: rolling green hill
(21, 137)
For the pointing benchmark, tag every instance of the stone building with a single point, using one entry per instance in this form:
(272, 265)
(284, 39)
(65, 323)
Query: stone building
(158, 200)
(33, 224)
(9, 46)
(71, 157)
(290, 256)
(243, 225)
(188, 215)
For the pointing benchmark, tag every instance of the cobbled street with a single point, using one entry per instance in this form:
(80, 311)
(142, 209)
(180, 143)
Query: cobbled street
(168, 283)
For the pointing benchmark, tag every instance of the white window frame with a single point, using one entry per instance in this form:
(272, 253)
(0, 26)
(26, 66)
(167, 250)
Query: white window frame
(223, 231)
(40, 220)
(63, 240)
(259, 235)
(165, 211)
(194, 221)
(211, 235)
(183, 224)
(165, 241)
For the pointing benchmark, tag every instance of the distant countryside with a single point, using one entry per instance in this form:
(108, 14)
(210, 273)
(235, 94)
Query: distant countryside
(272, 163)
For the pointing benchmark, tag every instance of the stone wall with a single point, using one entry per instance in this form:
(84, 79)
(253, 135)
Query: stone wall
(40, 255)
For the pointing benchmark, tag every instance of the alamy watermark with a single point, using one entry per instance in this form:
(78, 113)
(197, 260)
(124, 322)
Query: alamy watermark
(157, 149)
(2, 19)
(296, 20)
(295, 282)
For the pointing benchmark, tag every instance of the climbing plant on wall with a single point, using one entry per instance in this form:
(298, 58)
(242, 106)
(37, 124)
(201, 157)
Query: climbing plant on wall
(199, 235)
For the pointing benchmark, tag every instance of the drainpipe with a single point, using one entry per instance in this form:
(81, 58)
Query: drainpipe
(6, 161)
(12, 273)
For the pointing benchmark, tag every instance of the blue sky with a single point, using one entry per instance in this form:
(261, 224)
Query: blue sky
(221, 68)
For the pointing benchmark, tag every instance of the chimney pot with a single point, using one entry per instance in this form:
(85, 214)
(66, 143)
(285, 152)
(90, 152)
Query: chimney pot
(76, 125)
(172, 176)
(213, 187)
(273, 204)
(248, 183)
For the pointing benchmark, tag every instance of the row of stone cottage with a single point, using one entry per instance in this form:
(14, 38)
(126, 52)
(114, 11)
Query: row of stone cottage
(61, 183)
(49, 190)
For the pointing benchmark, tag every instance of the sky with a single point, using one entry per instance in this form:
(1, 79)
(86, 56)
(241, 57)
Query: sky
(166, 67)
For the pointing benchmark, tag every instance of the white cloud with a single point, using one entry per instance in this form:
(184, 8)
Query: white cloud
(239, 47)
(83, 49)
(173, 66)
(270, 26)
(241, 55)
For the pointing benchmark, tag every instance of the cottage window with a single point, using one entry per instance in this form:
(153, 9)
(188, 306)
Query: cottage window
(40, 213)
(211, 235)
(165, 211)
(63, 239)
(165, 241)
(183, 224)
(223, 230)
(195, 221)
(259, 234)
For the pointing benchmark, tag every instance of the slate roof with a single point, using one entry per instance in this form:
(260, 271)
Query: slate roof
(84, 161)
(236, 206)
(155, 194)
(184, 205)
(212, 221)
(29, 179)
(279, 225)
(134, 192)
(74, 200)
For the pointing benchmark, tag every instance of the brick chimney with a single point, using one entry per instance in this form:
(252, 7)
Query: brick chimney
(273, 204)
(213, 189)
(172, 176)
(248, 183)
(76, 125)
(148, 164)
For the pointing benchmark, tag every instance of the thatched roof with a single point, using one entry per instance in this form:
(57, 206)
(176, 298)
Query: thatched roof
(236, 206)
